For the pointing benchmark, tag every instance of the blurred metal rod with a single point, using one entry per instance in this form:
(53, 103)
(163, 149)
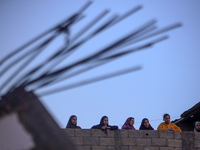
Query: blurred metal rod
(40, 36)
(96, 79)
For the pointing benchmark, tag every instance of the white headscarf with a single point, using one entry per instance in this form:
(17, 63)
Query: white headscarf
(195, 126)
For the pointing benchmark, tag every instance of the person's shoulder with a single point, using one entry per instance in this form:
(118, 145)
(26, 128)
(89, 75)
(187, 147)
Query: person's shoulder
(162, 123)
(96, 127)
(78, 127)
(172, 124)
(114, 127)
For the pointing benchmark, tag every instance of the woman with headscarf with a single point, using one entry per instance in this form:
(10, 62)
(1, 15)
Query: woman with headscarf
(197, 126)
(129, 123)
(145, 125)
(72, 123)
(104, 125)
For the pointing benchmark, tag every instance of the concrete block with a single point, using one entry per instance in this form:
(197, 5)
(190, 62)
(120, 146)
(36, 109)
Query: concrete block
(128, 141)
(124, 148)
(70, 132)
(197, 135)
(166, 134)
(92, 141)
(150, 134)
(174, 143)
(143, 142)
(178, 149)
(167, 148)
(77, 140)
(197, 143)
(136, 148)
(82, 132)
(99, 148)
(135, 133)
(154, 148)
(177, 135)
(110, 147)
(83, 148)
(98, 133)
(159, 142)
(107, 141)
(124, 133)
(111, 133)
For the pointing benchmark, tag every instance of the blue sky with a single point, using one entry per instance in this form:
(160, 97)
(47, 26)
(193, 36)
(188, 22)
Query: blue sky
(168, 82)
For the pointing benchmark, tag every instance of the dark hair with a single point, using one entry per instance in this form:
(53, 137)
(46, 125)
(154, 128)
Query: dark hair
(69, 124)
(165, 115)
(102, 119)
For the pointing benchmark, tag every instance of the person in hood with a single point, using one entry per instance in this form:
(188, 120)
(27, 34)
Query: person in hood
(197, 126)
(129, 123)
(72, 123)
(145, 125)
(104, 125)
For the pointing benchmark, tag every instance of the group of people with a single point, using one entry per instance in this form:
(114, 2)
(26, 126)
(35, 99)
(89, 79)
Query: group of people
(145, 125)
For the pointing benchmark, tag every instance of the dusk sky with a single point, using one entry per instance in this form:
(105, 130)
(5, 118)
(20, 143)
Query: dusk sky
(168, 82)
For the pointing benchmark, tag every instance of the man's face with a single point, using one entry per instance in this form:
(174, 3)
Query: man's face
(167, 119)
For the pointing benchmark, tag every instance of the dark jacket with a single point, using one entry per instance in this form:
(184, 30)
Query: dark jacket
(99, 126)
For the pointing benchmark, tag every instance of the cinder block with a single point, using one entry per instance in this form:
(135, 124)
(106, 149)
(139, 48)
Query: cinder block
(159, 142)
(197, 143)
(177, 135)
(91, 141)
(166, 148)
(178, 149)
(82, 132)
(124, 133)
(69, 132)
(166, 134)
(111, 133)
(107, 141)
(136, 133)
(143, 142)
(82, 147)
(110, 147)
(174, 143)
(99, 148)
(136, 148)
(128, 141)
(98, 133)
(124, 148)
(77, 140)
(154, 148)
(197, 135)
(150, 134)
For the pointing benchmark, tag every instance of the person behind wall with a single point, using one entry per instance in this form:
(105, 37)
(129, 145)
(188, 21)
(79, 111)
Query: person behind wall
(197, 126)
(129, 123)
(145, 125)
(104, 125)
(72, 123)
(167, 125)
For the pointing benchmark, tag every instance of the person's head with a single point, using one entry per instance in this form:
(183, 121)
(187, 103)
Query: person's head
(145, 123)
(104, 121)
(197, 125)
(73, 119)
(130, 121)
(166, 118)
(72, 122)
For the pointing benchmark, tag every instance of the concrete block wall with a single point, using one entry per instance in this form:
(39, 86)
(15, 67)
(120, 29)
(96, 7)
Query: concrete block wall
(94, 139)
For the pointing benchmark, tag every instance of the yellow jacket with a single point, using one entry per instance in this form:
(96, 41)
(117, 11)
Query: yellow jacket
(166, 127)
